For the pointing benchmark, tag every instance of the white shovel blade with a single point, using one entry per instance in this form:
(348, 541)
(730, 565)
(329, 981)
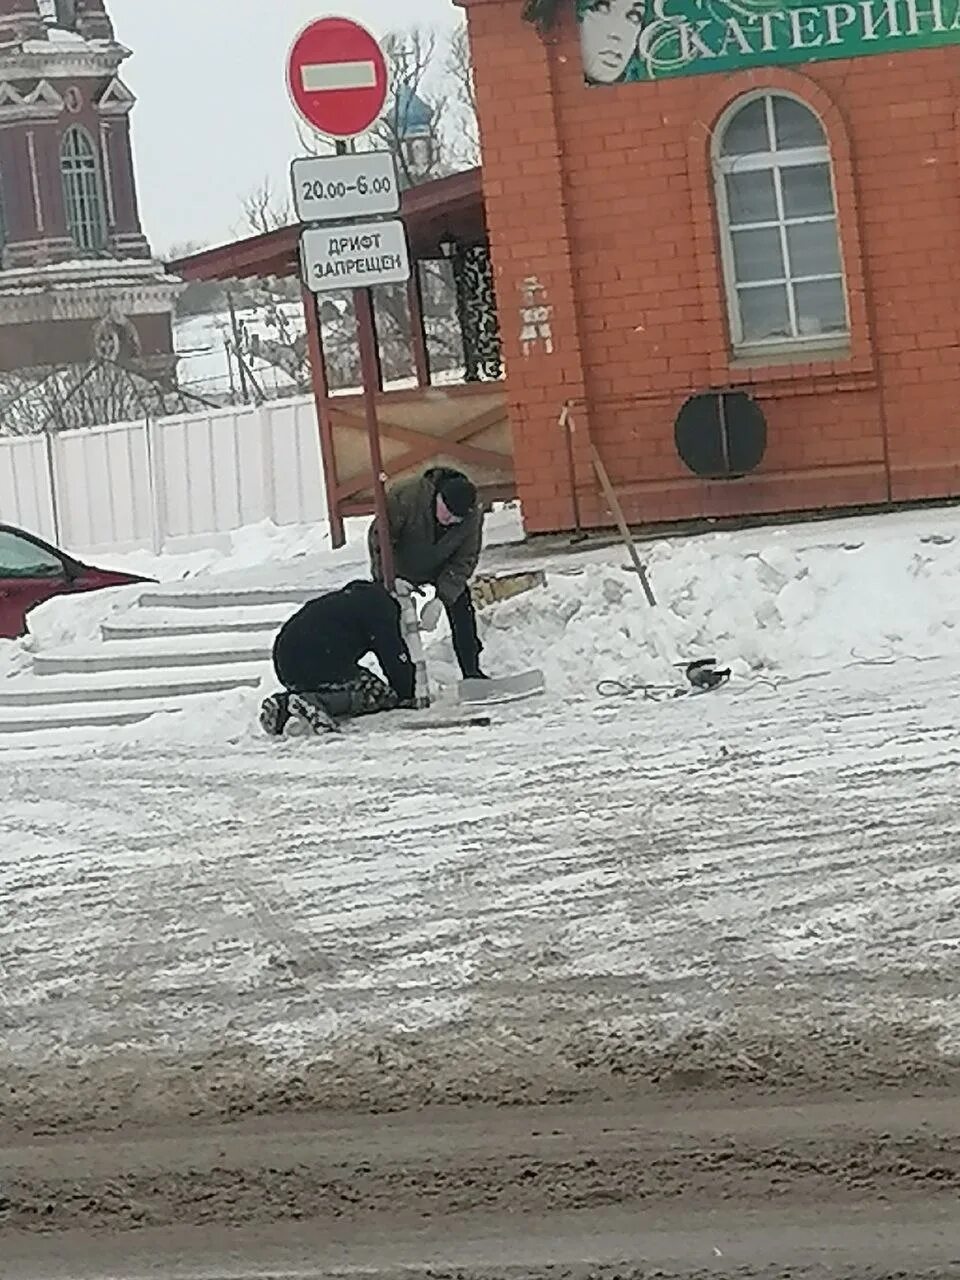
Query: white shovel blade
(528, 684)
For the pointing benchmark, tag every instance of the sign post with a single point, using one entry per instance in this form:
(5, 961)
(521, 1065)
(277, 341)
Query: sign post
(338, 80)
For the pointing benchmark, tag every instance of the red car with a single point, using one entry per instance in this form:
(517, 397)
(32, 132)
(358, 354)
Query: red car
(32, 571)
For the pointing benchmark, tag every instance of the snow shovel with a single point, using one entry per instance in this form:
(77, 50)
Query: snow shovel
(488, 693)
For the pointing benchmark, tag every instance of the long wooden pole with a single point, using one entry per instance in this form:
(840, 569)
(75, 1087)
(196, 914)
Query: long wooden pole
(568, 428)
(370, 371)
(613, 502)
(328, 449)
(370, 368)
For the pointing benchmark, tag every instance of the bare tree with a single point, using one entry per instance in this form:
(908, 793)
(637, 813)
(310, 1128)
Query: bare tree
(264, 210)
(199, 297)
(429, 125)
(184, 250)
(465, 144)
(314, 144)
(98, 392)
(417, 143)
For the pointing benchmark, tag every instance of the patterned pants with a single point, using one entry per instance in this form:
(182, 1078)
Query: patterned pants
(361, 695)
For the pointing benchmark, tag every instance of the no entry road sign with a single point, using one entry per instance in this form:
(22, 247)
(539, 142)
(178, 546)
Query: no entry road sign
(337, 77)
(356, 256)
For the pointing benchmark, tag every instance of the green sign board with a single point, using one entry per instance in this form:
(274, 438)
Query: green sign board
(627, 40)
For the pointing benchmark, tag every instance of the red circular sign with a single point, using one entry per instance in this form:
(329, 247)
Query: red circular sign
(337, 77)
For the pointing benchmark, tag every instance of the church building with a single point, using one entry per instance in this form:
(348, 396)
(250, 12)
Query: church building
(77, 278)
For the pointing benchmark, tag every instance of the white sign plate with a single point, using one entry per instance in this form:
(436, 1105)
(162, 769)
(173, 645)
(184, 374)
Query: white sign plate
(355, 256)
(327, 188)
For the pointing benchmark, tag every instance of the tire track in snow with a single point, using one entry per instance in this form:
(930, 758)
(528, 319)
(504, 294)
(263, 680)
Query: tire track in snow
(749, 862)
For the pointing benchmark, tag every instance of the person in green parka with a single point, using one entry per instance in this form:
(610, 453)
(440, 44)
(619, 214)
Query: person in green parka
(436, 532)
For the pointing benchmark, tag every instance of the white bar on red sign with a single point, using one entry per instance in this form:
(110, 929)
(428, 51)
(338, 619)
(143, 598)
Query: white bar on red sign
(339, 75)
(354, 256)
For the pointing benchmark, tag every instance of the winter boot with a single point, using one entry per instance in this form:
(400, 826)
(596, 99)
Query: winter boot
(308, 715)
(274, 714)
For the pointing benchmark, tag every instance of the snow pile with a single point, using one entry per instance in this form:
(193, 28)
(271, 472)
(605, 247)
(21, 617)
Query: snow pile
(71, 620)
(66, 621)
(14, 657)
(773, 604)
(251, 547)
(785, 601)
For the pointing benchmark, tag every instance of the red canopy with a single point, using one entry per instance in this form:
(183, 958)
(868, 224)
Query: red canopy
(431, 212)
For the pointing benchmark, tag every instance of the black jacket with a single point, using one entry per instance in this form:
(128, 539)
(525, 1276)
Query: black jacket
(423, 551)
(324, 641)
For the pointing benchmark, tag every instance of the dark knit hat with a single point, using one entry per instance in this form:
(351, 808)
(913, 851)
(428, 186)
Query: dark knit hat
(458, 493)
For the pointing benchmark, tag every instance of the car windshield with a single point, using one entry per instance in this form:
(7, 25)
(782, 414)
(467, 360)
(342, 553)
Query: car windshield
(21, 558)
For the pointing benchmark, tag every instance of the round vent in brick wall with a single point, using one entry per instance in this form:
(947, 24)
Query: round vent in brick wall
(721, 435)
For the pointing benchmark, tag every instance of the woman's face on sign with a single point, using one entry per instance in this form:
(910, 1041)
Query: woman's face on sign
(609, 31)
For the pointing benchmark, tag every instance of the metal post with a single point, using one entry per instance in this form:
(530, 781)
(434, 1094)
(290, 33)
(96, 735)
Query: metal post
(370, 368)
(235, 328)
(421, 356)
(328, 451)
(54, 493)
(156, 524)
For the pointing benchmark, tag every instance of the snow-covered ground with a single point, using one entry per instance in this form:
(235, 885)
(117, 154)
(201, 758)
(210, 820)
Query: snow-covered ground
(206, 366)
(759, 882)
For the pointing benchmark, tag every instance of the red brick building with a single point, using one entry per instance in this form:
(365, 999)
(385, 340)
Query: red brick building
(76, 276)
(701, 217)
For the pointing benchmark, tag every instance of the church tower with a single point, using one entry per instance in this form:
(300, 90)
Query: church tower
(77, 278)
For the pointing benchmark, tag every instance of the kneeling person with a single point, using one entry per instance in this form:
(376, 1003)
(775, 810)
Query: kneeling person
(316, 657)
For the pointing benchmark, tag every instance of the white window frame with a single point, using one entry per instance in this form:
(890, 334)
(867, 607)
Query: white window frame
(82, 182)
(773, 162)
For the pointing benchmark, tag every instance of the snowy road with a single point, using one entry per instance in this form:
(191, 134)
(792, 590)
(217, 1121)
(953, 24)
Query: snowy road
(757, 886)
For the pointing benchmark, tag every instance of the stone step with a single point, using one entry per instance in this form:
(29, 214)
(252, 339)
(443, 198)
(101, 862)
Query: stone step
(164, 653)
(47, 719)
(487, 588)
(226, 599)
(45, 722)
(163, 624)
(36, 691)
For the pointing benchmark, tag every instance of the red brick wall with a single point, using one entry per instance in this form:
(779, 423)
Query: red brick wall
(605, 195)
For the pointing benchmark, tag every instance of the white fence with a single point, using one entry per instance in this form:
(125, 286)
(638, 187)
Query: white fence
(145, 484)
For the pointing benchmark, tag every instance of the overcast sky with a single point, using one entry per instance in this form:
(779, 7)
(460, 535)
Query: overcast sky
(213, 116)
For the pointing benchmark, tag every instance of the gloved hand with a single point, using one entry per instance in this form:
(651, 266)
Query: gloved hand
(431, 614)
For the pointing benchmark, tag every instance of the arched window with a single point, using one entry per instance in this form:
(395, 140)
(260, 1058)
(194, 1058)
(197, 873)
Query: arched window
(82, 191)
(778, 226)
